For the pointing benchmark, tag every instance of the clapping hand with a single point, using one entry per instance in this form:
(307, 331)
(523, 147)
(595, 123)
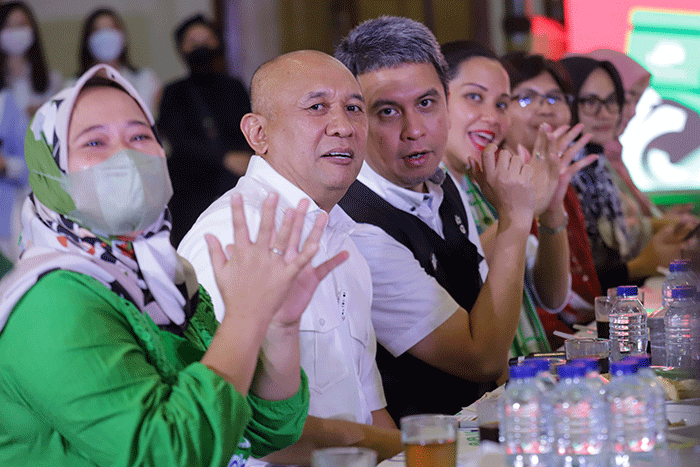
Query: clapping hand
(506, 181)
(551, 162)
(272, 275)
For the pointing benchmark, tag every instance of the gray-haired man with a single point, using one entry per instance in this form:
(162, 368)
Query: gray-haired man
(443, 327)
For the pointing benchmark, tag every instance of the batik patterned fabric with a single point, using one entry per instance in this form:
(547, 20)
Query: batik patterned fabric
(602, 209)
(529, 336)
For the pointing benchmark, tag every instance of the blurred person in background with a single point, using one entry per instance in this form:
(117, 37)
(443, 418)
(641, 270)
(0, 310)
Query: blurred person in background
(23, 66)
(14, 184)
(104, 40)
(599, 99)
(200, 122)
(639, 208)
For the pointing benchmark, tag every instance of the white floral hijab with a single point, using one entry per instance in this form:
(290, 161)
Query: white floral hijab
(146, 270)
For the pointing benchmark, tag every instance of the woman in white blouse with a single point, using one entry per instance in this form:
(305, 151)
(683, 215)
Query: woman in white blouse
(104, 40)
(23, 67)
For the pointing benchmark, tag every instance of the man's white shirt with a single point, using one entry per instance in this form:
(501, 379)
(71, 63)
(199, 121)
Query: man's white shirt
(338, 345)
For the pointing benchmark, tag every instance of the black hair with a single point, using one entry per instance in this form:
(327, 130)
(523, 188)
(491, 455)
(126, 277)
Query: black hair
(524, 67)
(457, 52)
(580, 68)
(179, 33)
(389, 42)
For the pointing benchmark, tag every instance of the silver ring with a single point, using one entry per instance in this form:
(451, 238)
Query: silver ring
(279, 252)
(539, 155)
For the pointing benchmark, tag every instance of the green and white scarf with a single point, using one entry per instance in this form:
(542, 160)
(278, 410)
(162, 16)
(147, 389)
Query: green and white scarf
(147, 270)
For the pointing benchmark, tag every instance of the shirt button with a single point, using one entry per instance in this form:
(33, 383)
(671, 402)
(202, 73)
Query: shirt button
(322, 322)
(585, 278)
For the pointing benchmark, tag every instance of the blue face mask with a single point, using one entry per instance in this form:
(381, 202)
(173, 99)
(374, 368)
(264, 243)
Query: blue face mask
(121, 195)
(106, 44)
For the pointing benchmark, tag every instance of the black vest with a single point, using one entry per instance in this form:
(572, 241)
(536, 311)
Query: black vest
(412, 386)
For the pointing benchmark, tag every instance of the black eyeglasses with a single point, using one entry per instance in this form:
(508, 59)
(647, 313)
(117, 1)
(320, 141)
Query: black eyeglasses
(591, 105)
(551, 98)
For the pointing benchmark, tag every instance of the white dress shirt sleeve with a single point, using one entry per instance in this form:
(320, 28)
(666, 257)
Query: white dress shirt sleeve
(408, 304)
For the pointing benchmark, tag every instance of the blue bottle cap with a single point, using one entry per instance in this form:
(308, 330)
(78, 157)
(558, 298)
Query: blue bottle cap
(683, 291)
(681, 265)
(540, 363)
(523, 371)
(591, 364)
(621, 368)
(572, 370)
(638, 361)
(626, 290)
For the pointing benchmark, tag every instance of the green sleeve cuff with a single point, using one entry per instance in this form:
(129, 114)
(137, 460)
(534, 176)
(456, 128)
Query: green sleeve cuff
(277, 424)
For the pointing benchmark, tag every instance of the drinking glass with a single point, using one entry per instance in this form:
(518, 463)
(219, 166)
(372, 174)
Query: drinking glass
(598, 349)
(344, 457)
(602, 319)
(487, 418)
(430, 440)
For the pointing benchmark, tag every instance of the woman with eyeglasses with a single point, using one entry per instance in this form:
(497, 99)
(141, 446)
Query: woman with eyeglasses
(541, 94)
(478, 107)
(640, 210)
(599, 98)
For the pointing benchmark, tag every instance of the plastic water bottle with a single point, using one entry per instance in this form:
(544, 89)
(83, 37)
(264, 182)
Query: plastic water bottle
(631, 430)
(657, 336)
(525, 431)
(578, 413)
(657, 397)
(544, 376)
(682, 323)
(628, 324)
(679, 274)
(593, 378)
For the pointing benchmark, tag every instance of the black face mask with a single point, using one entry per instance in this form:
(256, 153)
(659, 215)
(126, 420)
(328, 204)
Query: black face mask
(201, 60)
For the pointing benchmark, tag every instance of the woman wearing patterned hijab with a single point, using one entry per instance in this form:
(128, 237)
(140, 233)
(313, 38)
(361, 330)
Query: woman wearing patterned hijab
(109, 349)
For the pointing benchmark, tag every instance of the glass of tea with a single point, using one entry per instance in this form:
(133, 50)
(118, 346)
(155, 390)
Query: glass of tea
(344, 457)
(602, 315)
(430, 440)
(487, 418)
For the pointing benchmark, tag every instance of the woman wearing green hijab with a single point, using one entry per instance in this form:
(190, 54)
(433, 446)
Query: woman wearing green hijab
(109, 349)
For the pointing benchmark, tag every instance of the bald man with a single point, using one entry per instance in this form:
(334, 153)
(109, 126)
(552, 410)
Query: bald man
(308, 128)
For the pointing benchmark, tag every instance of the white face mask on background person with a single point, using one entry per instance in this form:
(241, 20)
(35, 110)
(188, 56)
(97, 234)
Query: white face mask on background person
(106, 44)
(16, 41)
(121, 195)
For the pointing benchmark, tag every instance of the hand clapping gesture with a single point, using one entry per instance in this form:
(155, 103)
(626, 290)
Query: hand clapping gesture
(506, 181)
(272, 275)
(551, 161)
(264, 284)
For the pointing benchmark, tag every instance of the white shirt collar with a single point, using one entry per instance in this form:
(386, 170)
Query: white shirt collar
(425, 206)
(262, 172)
